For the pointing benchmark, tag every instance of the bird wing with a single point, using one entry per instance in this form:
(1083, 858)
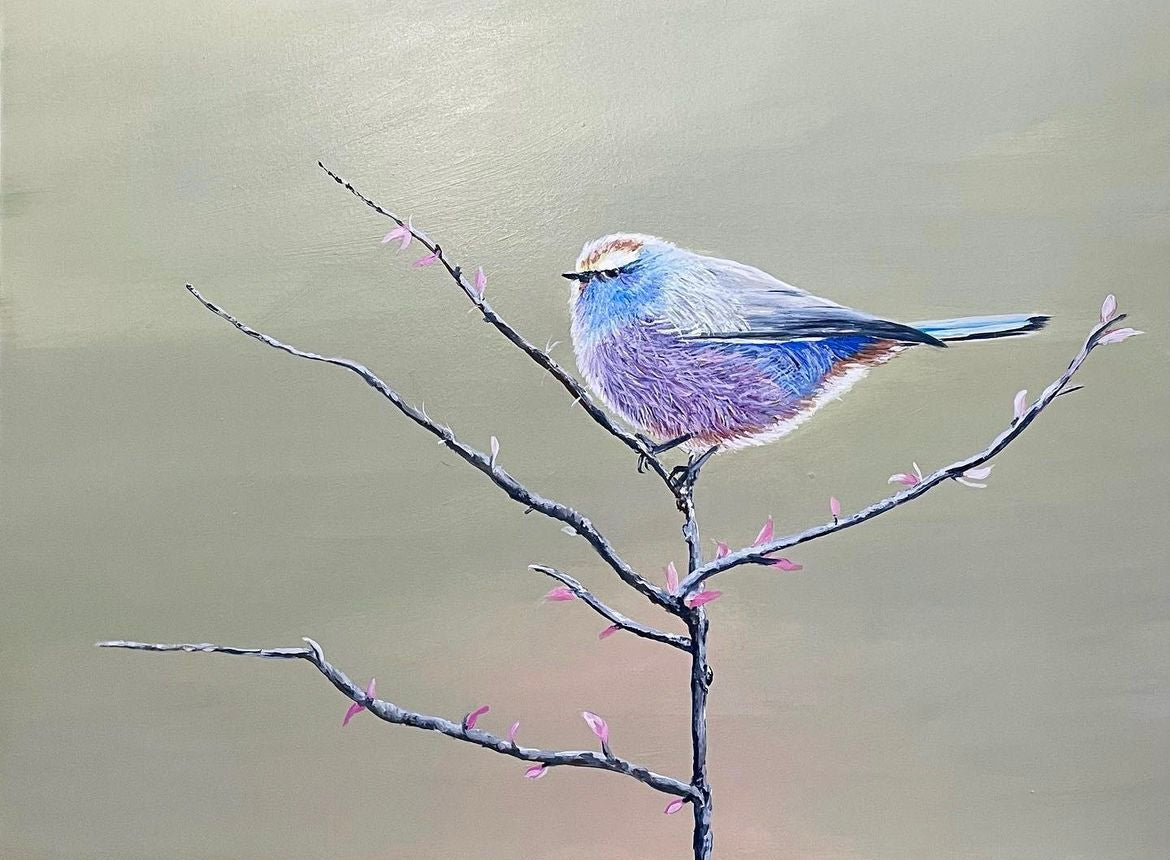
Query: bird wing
(773, 311)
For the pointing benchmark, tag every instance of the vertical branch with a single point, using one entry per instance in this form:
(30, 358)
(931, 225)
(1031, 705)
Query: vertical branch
(684, 496)
(700, 685)
(690, 532)
(701, 675)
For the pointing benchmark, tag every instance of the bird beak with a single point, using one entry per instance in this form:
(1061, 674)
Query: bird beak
(574, 276)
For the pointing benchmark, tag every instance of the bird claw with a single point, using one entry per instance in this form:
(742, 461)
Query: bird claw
(657, 448)
(682, 477)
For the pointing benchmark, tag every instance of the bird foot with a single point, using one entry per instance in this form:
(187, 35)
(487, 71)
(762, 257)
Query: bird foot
(659, 448)
(683, 477)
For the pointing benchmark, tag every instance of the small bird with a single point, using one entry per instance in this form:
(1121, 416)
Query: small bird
(713, 354)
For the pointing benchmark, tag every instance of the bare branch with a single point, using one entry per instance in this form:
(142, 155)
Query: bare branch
(684, 495)
(612, 615)
(541, 357)
(477, 459)
(392, 713)
(758, 554)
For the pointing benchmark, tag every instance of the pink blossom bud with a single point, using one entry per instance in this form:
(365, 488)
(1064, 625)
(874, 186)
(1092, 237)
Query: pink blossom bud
(1118, 335)
(671, 578)
(701, 597)
(354, 709)
(972, 476)
(402, 233)
(1108, 308)
(599, 726)
(765, 534)
(469, 720)
(1020, 404)
(907, 478)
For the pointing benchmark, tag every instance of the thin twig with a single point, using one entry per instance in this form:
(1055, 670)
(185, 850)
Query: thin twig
(392, 713)
(759, 554)
(612, 615)
(499, 476)
(541, 357)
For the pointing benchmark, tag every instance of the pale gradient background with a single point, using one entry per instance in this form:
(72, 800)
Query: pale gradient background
(981, 675)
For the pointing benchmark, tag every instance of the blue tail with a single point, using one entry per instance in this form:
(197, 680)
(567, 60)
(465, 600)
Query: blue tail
(983, 328)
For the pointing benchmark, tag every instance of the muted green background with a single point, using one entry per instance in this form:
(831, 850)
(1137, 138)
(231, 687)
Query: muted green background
(980, 675)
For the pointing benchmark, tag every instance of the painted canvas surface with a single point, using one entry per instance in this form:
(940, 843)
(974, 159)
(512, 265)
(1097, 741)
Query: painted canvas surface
(767, 265)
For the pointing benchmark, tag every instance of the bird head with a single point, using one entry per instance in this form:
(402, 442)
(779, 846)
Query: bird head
(617, 278)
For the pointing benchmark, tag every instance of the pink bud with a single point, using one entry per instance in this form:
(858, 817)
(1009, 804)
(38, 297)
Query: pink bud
(512, 729)
(608, 631)
(535, 772)
(560, 594)
(674, 806)
(971, 477)
(402, 233)
(784, 564)
(351, 712)
(480, 282)
(765, 534)
(355, 708)
(428, 260)
(834, 506)
(469, 720)
(701, 597)
(1020, 404)
(1108, 307)
(599, 726)
(671, 579)
(721, 549)
(906, 477)
(495, 449)
(1118, 335)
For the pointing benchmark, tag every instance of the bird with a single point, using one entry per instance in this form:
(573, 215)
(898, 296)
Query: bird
(712, 355)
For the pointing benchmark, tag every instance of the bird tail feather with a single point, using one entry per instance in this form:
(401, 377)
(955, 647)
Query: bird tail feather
(983, 328)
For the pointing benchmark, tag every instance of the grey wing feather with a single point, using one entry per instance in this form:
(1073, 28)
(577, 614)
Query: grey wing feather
(774, 311)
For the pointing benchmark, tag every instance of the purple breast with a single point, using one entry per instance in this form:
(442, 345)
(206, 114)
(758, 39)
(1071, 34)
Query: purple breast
(670, 386)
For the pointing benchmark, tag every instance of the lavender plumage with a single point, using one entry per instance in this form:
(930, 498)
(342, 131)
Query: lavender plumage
(683, 345)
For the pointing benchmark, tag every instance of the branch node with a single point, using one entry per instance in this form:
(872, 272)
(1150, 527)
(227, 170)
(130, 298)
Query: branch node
(318, 654)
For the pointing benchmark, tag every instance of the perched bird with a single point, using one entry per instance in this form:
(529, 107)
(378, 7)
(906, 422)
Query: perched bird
(703, 352)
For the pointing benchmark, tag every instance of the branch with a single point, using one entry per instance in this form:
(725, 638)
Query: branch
(685, 499)
(612, 615)
(392, 713)
(580, 395)
(758, 554)
(477, 459)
